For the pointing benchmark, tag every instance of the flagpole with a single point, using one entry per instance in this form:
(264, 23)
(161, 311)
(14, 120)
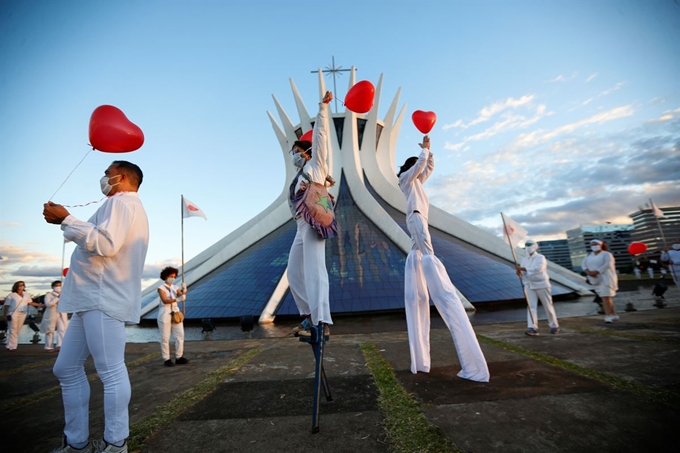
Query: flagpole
(181, 215)
(63, 252)
(663, 237)
(514, 257)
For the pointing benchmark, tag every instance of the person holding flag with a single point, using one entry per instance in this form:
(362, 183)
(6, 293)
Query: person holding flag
(426, 276)
(674, 262)
(534, 274)
(169, 295)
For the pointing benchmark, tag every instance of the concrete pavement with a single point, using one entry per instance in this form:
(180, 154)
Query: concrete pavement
(594, 387)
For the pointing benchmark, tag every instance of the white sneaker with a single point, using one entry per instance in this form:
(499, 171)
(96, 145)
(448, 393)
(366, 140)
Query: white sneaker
(614, 317)
(66, 448)
(103, 447)
(608, 319)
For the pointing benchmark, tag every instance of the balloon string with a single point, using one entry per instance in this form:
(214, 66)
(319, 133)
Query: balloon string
(81, 205)
(69, 175)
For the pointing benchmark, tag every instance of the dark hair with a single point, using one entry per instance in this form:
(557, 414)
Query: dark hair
(304, 144)
(55, 283)
(130, 170)
(165, 273)
(604, 246)
(15, 286)
(410, 162)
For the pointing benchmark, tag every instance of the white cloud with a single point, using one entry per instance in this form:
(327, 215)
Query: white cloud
(572, 174)
(590, 77)
(494, 109)
(537, 137)
(562, 78)
(665, 116)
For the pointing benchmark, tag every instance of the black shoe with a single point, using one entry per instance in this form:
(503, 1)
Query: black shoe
(168, 363)
(181, 361)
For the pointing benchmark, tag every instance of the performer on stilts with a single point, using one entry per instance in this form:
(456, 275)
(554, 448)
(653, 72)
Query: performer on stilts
(426, 276)
(307, 273)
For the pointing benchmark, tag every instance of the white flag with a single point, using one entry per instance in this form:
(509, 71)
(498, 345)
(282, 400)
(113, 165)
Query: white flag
(657, 212)
(189, 209)
(513, 231)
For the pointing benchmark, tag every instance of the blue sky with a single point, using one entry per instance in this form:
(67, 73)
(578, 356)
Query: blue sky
(558, 113)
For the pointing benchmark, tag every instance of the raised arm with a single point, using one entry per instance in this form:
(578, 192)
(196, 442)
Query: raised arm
(429, 168)
(320, 135)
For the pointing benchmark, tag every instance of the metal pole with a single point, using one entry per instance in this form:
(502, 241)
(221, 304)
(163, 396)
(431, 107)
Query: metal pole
(663, 238)
(182, 228)
(514, 257)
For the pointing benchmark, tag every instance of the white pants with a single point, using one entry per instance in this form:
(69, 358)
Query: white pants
(546, 300)
(426, 276)
(307, 274)
(674, 269)
(97, 334)
(13, 328)
(62, 325)
(166, 326)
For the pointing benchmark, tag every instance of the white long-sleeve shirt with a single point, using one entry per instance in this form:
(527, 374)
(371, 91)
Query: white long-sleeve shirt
(106, 268)
(411, 184)
(536, 274)
(605, 264)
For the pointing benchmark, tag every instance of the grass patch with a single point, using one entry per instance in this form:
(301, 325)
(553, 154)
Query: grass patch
(56, 390)
(648, 393)
(407, 428)
(19, 369)
(630, 336)
(169, 412)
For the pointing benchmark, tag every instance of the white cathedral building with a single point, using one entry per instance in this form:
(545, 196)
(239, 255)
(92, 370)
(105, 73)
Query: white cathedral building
(245, 272)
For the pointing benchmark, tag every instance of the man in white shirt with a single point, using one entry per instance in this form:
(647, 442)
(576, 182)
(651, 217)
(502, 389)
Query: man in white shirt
(103, 291)
(674, 262)
(534, 272)
(425, 276)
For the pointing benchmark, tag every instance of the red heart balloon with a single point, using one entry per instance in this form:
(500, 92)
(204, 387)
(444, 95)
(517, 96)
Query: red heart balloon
(307, 136)
(635, 248)
(424, 121)
(359, 98)
(112, 132)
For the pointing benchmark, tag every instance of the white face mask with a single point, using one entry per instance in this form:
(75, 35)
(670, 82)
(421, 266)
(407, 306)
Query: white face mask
(169, 281)
(595, 248)
(104, 184)
(57, 289)
(676, 246)
(298, 160)
(531, 249)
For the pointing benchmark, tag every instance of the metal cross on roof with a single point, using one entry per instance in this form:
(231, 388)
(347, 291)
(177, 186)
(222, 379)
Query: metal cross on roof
(333, 70)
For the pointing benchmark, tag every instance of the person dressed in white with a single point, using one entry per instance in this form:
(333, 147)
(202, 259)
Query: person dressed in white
(600, 267)
(103, 290)
(15, 310)
(307, 273)
(170, 295)
(533, 270)
(53, 321)
(674, 262)
(426, 276)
